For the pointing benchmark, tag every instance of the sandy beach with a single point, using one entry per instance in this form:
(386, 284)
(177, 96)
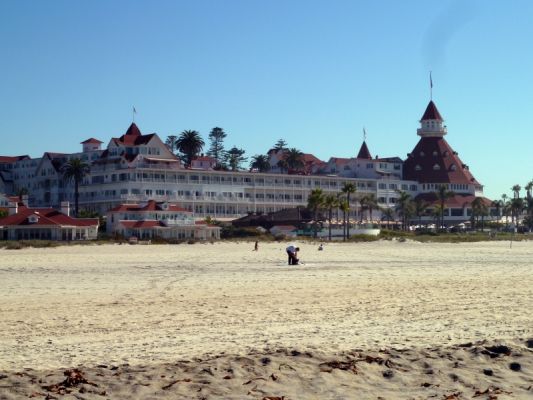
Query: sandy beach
(386, 320)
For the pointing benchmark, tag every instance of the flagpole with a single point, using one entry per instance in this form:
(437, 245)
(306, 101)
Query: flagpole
(430, 86)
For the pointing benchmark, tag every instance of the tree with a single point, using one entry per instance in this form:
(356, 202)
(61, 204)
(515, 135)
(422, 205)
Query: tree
(171, 143)
(235, 157)
(443, 194)
(516, 190)
(387, 214)
(330, 203)
(420, 207)
(21, 192)
(368, 203)
(315, 202)
(529, 188)
(190, 144)
(517, 206)
(260, 162)
(294, 158)
(348, 189)
(74, 170)
(404, 207)
(281, 144)
(479, 209)
(345, 208)
(216, 144)
(282, 165)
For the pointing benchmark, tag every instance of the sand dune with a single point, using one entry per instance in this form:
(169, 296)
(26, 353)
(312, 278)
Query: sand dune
(230, 307)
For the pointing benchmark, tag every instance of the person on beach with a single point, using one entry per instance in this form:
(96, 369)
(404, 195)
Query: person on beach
(292, 252)
(321, 247)
(256, 246)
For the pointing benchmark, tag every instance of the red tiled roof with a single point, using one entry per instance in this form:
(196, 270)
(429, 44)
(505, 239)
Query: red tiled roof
(133, 137)
(431, 152)
(431, 112)
(364, 152)
(457, 201)
(12, 159)
(204, 158)
(340, 161)
(91, 140)
(151, 205)
(46, 216)
(141, 224)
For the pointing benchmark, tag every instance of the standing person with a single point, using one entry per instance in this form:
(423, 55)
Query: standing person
(256, 246)
(292, 252)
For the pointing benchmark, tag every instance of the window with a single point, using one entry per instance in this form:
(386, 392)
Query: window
(422, 154)
(369, 166)
(418, 167)
(382, 186)
(436, 167)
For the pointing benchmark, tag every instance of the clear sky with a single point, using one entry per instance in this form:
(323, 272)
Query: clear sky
(311, 72)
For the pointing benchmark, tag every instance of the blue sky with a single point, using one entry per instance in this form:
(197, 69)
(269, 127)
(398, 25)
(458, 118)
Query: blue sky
(311, 72)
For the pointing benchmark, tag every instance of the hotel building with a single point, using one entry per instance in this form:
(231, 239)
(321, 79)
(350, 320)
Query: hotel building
(137, 168)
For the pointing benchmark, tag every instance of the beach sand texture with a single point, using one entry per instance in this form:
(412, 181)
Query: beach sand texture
(226, 308)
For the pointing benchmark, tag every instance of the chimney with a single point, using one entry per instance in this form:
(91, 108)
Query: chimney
(65, 208)
(24, 199)
(13, 207)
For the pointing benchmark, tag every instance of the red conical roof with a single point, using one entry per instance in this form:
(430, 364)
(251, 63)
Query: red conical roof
(432, 112)
(364, 152)
(133, 130)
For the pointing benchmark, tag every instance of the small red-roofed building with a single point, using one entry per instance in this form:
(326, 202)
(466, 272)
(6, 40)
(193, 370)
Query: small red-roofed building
(153, 220)
(25, 223)
(204, 163)
(91, 144)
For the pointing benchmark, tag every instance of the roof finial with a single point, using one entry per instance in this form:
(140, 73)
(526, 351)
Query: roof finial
(430, 87)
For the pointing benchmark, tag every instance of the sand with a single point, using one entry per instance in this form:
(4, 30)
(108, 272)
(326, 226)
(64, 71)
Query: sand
(383, 319)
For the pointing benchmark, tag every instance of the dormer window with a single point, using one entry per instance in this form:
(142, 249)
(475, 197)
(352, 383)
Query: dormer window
(436, 167)
(33, 219)
(418, 168)
(446, 153)
(422, 154)
(453, 167)
(435, 153)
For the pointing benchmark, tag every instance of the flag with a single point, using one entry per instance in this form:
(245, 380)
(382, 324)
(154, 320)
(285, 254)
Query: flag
(430, 80)
(364, 133)
(134, 110)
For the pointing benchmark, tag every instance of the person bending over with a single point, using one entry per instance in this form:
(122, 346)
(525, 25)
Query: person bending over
(292, 252)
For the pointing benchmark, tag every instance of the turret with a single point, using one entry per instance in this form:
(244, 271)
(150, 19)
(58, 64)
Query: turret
(432, 124)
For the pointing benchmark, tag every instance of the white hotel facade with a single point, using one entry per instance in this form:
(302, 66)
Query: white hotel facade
(135, 168)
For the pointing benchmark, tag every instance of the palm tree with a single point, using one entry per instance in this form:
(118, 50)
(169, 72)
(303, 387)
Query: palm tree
(344, 206)
(260, 162)
(443, 194)
(517, 206)
(348, 189)
(529, 188)
(478, 209)
(368, 202)
(75, 170)
(404, 207)
(294, 158)
(190, 144)
(516, 189)
(388, 215)
(282, 165)
(171, 143)
(420, 207)
(315, 201)
(330, 203)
